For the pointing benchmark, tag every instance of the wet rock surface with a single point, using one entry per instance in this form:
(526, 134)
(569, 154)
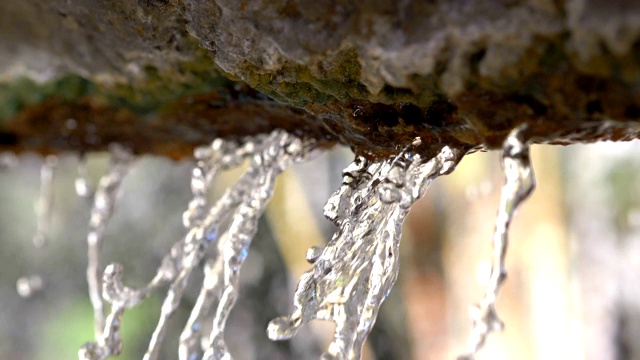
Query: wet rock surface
(164, 76)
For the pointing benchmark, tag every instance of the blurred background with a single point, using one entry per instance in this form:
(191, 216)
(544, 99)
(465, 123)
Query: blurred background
(573, 290)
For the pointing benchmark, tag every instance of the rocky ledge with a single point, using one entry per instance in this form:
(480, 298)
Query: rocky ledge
(162, 76)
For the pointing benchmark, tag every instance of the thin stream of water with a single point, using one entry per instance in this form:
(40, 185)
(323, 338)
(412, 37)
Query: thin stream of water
(351, 276)
(28, 285)
(241, 204)
(45, 201)
(82, 184)
(203, 225)
(103, 206)
(222, 278)
(230, 223)
(519, 184)
(354, 273)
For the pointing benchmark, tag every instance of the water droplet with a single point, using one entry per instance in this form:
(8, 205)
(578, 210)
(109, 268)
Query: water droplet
(27, 286)
(313, 253)
(389, 195)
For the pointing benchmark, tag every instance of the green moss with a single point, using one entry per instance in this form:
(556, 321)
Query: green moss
(21, 92)
(338, 77)
(153, 91)
(156, 88)
(299, 85)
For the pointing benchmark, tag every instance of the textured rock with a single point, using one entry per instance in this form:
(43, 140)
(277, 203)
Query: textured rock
(372, 74)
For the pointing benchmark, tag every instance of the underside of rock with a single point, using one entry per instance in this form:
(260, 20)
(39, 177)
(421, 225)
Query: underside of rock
(163, 76)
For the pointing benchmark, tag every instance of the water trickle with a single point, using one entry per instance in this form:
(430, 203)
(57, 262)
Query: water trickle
(101, 212)
(27, 286)
(246, 201)
(82, 184)
(45, 201)
(519, 184)
(120, 297)
(352, 275)
(230, 223)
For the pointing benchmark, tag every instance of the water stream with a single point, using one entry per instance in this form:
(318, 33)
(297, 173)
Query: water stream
(519, 184)
(352, 275)
(29, 285)
(45, 202)
(104, 203)
(349, 278)
(229, 223)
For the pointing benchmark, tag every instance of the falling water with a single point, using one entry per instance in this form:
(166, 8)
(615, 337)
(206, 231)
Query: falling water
(220, 288)
(45, 202)
(349, 279)
(519, 184)
(28, 285)
(354, 273)
(230, 223)
(101, 212)
(82, 184)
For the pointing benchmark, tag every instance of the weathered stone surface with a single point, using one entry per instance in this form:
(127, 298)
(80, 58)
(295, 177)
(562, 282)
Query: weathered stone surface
(372, 74)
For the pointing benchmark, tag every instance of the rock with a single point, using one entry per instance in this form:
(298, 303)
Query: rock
(372, 74)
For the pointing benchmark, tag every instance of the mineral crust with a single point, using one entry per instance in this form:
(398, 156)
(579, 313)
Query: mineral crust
(162, 76)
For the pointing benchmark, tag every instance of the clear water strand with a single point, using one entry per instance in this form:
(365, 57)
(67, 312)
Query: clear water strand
(101, 212)
(519, 184)
(187, 254)
(230, 223)
(28, 285)
(121, 297)
(235, 243)
(352, 275)
(45, 201)
(268, 153)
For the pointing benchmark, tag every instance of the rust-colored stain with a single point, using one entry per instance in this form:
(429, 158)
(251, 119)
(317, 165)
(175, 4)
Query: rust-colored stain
(87, 125)
(559, 108)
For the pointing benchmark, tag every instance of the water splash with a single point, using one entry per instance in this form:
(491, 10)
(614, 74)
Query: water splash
(101, 212)
(230, 223)
(354, 273)
(519, 184)
(45, 201)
